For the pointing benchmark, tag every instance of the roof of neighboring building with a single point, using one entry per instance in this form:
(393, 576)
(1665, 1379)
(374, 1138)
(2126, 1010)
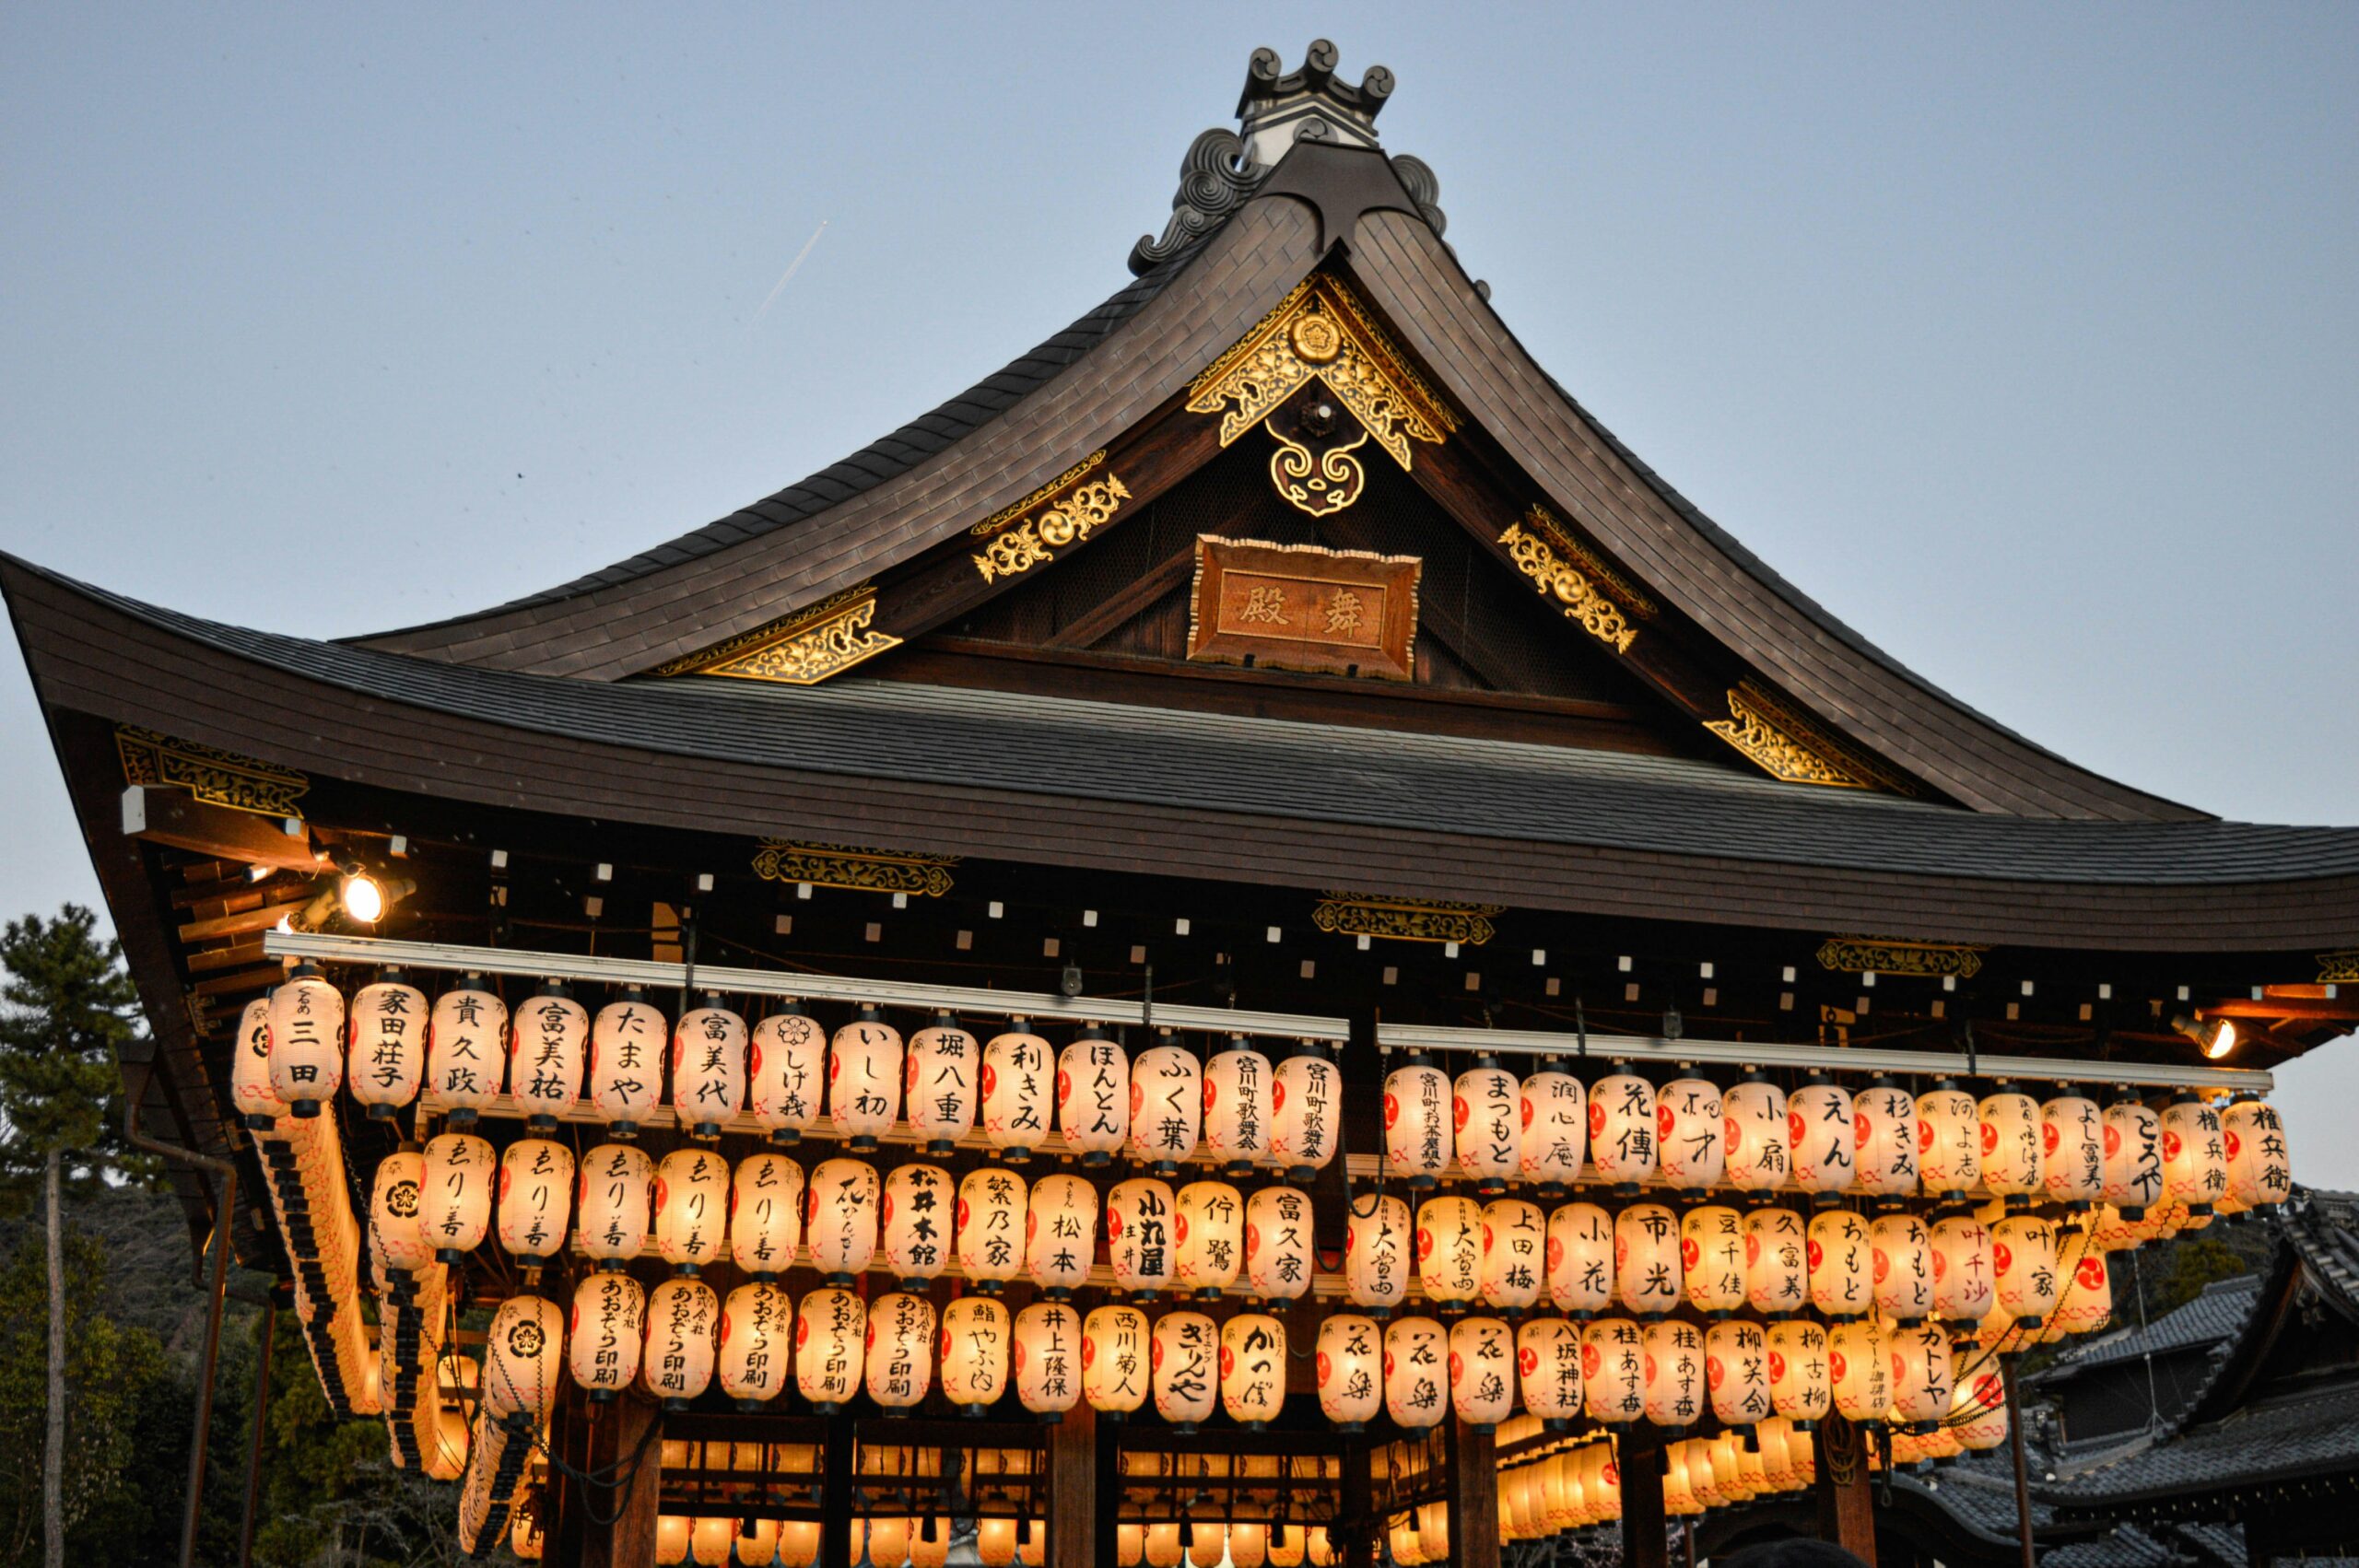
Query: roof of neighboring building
(2272, 1442)
(2217, 1313)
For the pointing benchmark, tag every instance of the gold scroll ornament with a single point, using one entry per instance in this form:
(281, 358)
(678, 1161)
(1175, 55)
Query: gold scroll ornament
(1569, 587)
(799, 650)
(1892, 955)
(1016, 547)
(1788, 747)
(849, 865)
(1405, 919)
(210, 773)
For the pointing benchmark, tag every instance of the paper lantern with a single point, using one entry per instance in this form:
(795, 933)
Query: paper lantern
(1016, 1085)
(766, 1214)
(1822, 1131)
(1673, 1352)
(1351, 1369)
(1754, 1136)
(1287, 1542)
(1736, 1371)
(1032, 1546)
(1965, 1287)
(1776, 1464)
(2073, 1150)
(1691, 1140)
(830, 1333)
(1306, 1105)
(974, 1352)
(1776, 1261)
(1094, 1097)
(995, 1543)
(385, 1045)
(1061, 1233)
(1248, 1544)
(1711, 1258)
(900, 1343)
(307, 1046)
(625, 1060)
(2261, 1173)
(786, 1067)
(2011, 1165)
(2133, 1156)
(692, 1208)
(864, 1080)
(1487, 1117)
(1139, 1221)
(1548, 1364)
(616, 1203)
(466, 1050)
(1114, 1359)
(1601, 1479)
(602, 1348)
(395, 1200)
(1514, 1253)
(757, 1541)
(930, 1542)
(1904, 1266)
(1646, 1276)
(1801, 1381)
(1449, 1250)
(889, 1542)
(712, 1540)
(2084, 1301)
(1841, 1264)
(1253, 1368)
(535, 1198)
(754, 1336)
(1580, 1259)
(1236, 1106)
(1884, 1155)
(1416, 1122)
(2022, 1255)
(1209, 1237)
(2195, 1156)
(250, 1088)
(1679, 1469)
(1046, 1354)
(708, 1067)
(1376, 1257)
(1482, 1372)
(1163, 1547)
(1277, 1243)
(1978, 1411)
(839, 1214)
(548, 1040)
(940, 1084)
(1921, 1376)
(682, 1317)
(1949, 1142)
(1622, 1130)
(1183, 1361)
(1857, 1366)
(1614, 1371)
(1417, 1372)
(1166, 1107)
(917, 1224)
(454, 1203)
(798, 1543)
(524, 1355)
(1555, 1109)
(672, 1532)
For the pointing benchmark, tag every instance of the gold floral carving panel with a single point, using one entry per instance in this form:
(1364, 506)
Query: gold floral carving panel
(1019, 546)
(1570, 587)
(1890, 955)
(210, 773)
(2338, 968)
(799, 650)
(1405, 919)
(1302, 607)
(1787, 746)
(847, 865)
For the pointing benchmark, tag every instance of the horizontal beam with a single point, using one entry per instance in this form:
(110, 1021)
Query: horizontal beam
(1044, 1006)
(1838, 1058)
(164, 815)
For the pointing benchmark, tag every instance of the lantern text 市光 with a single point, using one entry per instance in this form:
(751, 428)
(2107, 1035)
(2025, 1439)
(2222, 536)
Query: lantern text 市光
(1646, 1276)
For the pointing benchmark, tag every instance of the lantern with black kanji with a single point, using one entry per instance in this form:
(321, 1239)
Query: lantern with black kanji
(1736, 1371)
(1378, 1253)
(1580, 1259)
(2072, 1139)
(830, 1334)
(1482, 1372)
(864, 1079)
(1277, 1243)
(1776, 1261)
(1351, 1369)
(1856, 1363)
(839, 1218)
(786, 1065)
(1417, 1372)
(1306, 1100)
(1209, 1236)
(535, 1198)
(1964, 1273)
(916, 1223)
(1047, 1351)
(1691, 1143)
(1555, 1109)
(1094, 1097)
(1674, 1371)
(1800, 1383)
(548, 1042)
(1752, 1132)
(1623, 1130)
(691, 1207)
(940, 1083)
(608, 1320)
(1514, 1253)
(755, 1332)
(1140, 1221)
(682, 1318)
(307, 1046)
(1253, 1369)
(1904, 1266)
(974, 1352)
(385, 1045)
(2261, 1173)
(1548, 1361)
(1883, 1156)
(901, 1349)
(708, 1067)
(1487, 1117)
(1418, 1113)
(466, 1055)
(625, 1060)
(1614, 1371)
(1646, 1276)
(1711, 1258)
(1018, 1084)
(2195, 1157)
(2012, 1160)
(1236, 1106)
(1061, 1233)
(2022, 1253)
(615, 1204)
(2133, 1156)
(992, 1204)
(1166, 1106)
(454, 1203)
(1115, 1375)
(764, 1215)
(1822, 1132)
(1449, 1250)
(1185, 1365)
(1949, 1142)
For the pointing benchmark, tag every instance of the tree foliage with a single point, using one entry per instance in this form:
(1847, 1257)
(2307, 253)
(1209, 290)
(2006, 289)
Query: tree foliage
(67, 1012)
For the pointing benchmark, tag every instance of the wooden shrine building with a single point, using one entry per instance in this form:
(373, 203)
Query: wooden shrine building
(1276, 669)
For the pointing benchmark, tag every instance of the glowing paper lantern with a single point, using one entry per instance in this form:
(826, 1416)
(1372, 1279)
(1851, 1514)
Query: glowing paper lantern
(1416, 1122)
(1556, 1130)
(2011, 1165)
(1580, 1259)
(1482, 1371)
(1674, 1369)
(1711, 1257)
(535, 1196)
(864, 1079)
(758, 1540)
(1646, 1258)
(616, 1203)
(1306, 1102)
(1016, 1086)
(1253, 1368)
(1351, 1370)
(1487, 1120)
(1622, 1130)
(466, 1057)
(708, 1067)
(766, 1215)
(1209, 1236)
(1548, 1363)
(307, 1045)
(1236, 1106)
(940, 1084)
(393, 1201)
(1949, 1141)
(889, 1542)
(1921, 1376)
(1754, 1136)
(995, 1543)
(1614, 1371)
(1856, 1362)
(830, 1328)
(1776, 1261)
(2023, 1252)
(1048, 1358)
(2261, 1173)
(1277, 1243)
(1060, 1232)
(1183, 1362)
(1166, 1107)
(609, 1316)
(625, 1060)
(974, 1350)
(524, 1355)
(1841, 1264)
(385, 1045)
(1163, 1547)
(691, 1207)
(839, 1218)
(1904, 1266)
(711, 1538)
(1691, 1141)
(917, 1220)
(901, 1349)
(1514, 1253)
(1417, 1372)
(681, 1318)
(798, 1543)
(1114, 1359)
(1094, 1097)
(2073, 1140)
(1377, 1253)
(1823, 1132)
(1965, 1287)
(454, 1203)
(1248, 1544)
(754, 1330)
(1883, 1156)
(1139, 1221)
(672, 1532)
(1979, 1412)
(2133, 1157)
(2085, 1304)
(1450, 1248)
(2195, 1156)
(1801, 1381)
(786, 1067)
(1736, 1371)
(250, 1088)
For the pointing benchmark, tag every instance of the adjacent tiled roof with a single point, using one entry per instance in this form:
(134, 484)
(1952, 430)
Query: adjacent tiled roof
(2274, 1441)
(2153, 1545)
(2217, 1313)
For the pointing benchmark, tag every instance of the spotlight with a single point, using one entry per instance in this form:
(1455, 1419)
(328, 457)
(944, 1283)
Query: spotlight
(366, 897)
(1070, 982)
(2217, 1036)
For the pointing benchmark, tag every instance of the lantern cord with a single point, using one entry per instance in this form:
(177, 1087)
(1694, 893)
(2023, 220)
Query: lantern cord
(1580, 1028)
(2154, 1402)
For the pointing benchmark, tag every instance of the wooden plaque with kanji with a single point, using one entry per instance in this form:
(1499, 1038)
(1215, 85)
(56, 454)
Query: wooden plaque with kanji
(1302, 607)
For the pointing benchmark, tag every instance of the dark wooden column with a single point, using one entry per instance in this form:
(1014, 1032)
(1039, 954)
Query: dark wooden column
(1073, 1489)
(1645, 1542)
(1474, 1497)
(835, 1495)
(1845, 1502)
(1355, 1532)
(618, 1434)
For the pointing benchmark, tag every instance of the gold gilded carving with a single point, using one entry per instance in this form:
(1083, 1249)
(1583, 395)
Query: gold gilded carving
(1320, 484)
(1037, 539)
(1405, 919)
(1006, 515)
(2340, 968)
(1891, 955)
(212, 775)
(1788, 746)
(1320, 332)
(1602, 577)
(1303, 607)
(799, 650)
(1561, 581)
(847, 865)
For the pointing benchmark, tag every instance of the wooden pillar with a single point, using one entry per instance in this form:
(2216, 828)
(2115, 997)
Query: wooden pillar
(630, 1427)
(835, 1496)
(1638, 1454)
(1846, 1503)
(1356, 1527)
(1474, 1497)
(1073, 1489)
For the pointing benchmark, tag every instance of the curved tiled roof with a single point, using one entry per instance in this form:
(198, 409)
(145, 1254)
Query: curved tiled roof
(2219, 1313)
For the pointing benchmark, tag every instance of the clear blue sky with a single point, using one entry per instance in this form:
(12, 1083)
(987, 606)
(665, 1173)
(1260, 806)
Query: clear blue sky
(2025, 338)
